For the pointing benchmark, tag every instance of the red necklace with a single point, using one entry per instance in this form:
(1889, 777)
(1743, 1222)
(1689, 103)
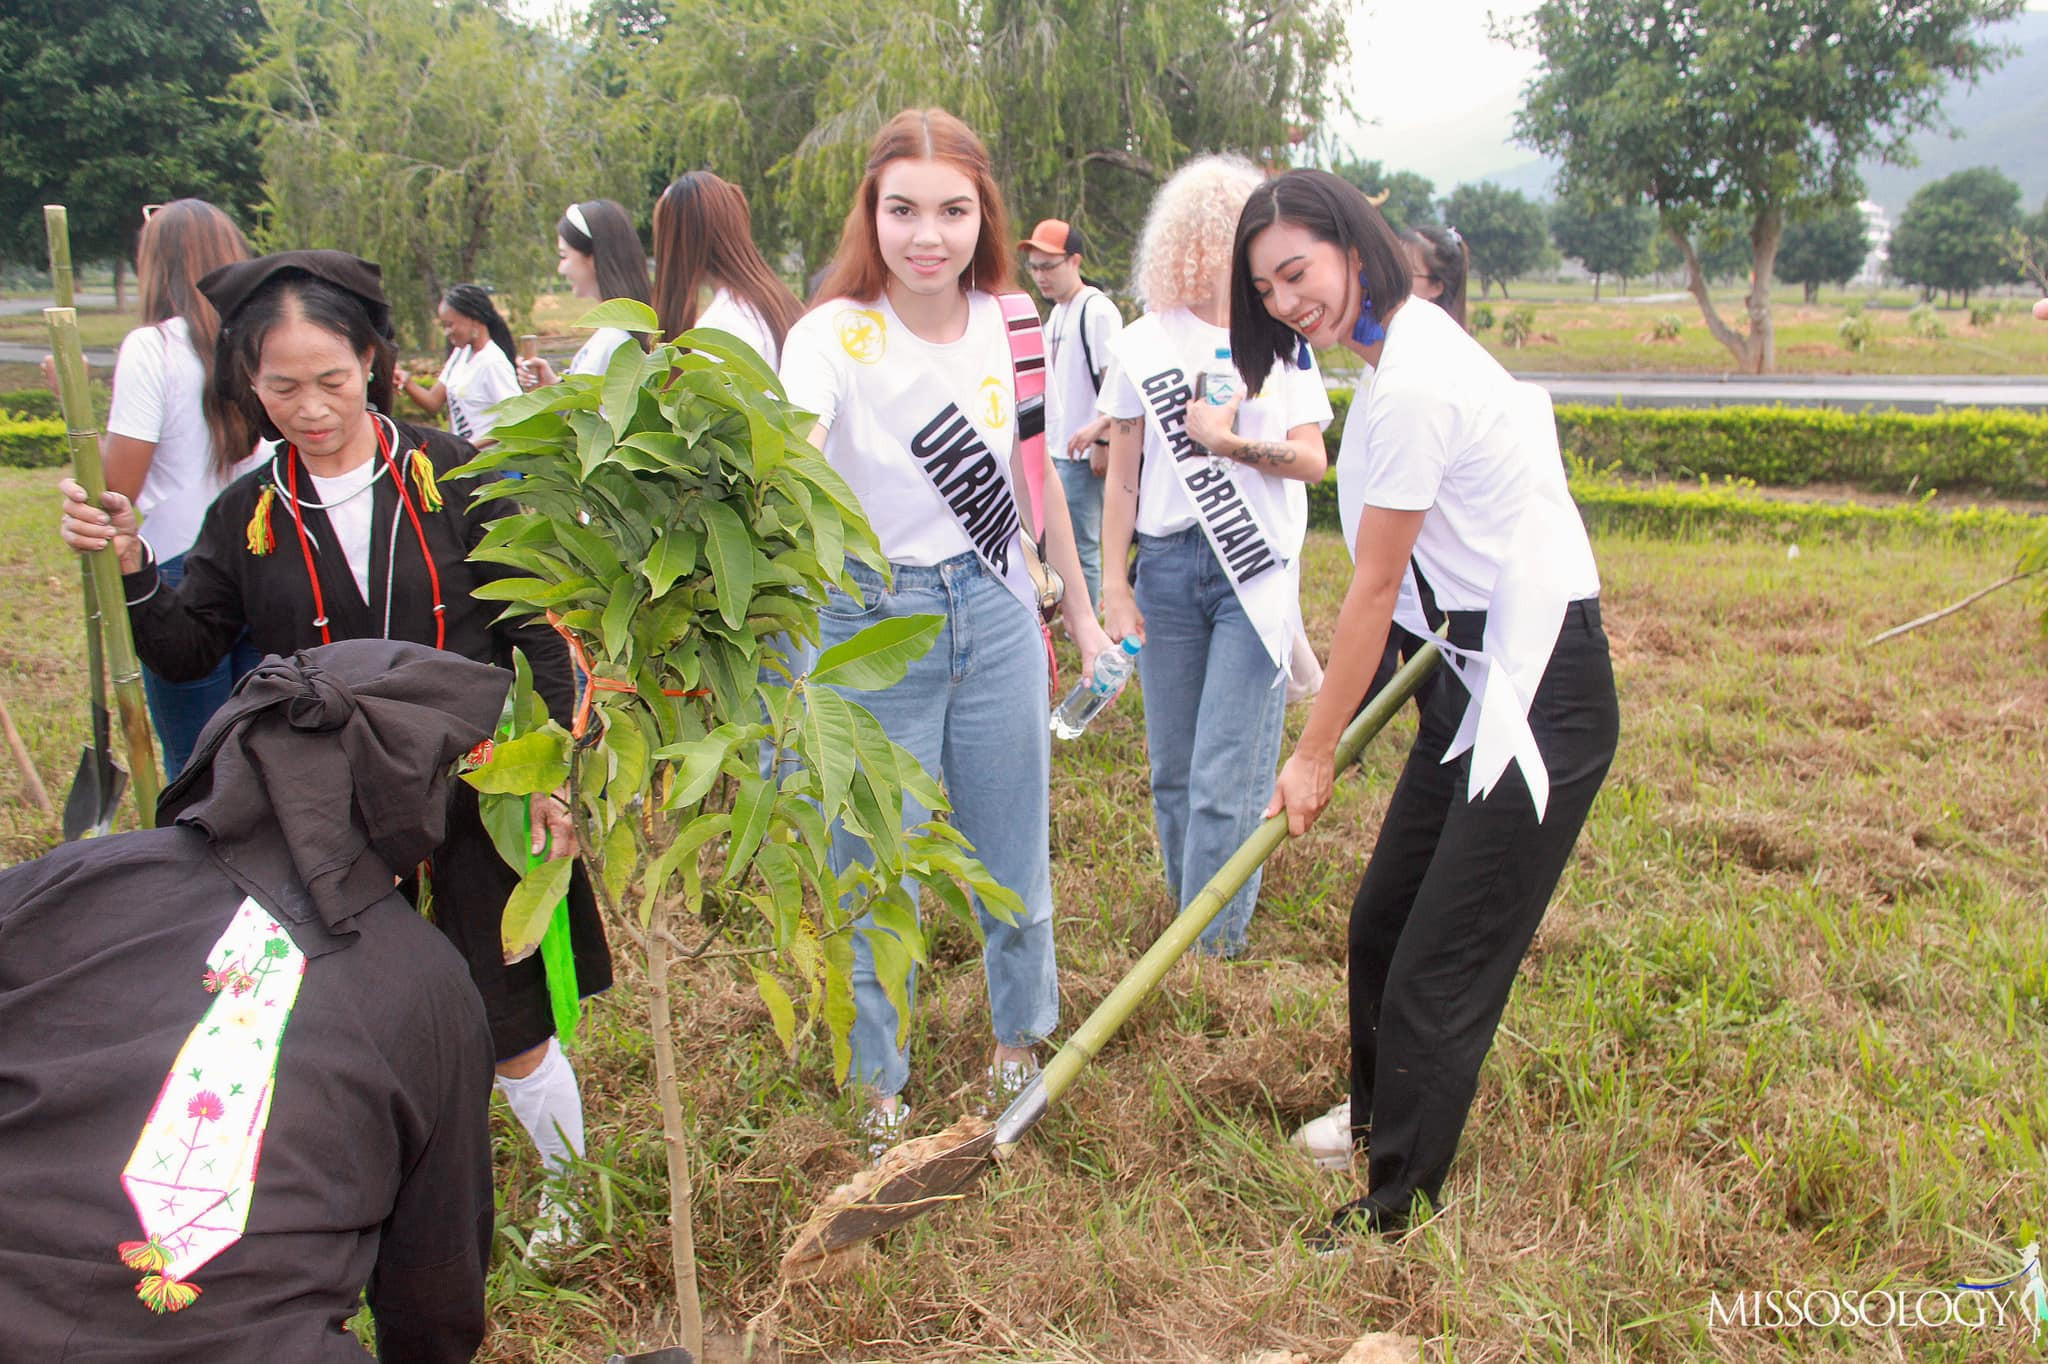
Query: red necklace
(291, 473)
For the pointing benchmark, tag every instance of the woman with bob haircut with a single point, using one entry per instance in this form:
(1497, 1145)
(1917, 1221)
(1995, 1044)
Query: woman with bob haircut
(1440, 263)
(1219, 506)
(354, 527)
(1451, 483)
(167, 449)
(704, 241)
(598, 252)
(907, 362)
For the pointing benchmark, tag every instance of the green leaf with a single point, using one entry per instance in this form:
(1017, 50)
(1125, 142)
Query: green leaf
(839, 1008)
(732, 673)
(627, 314)
(880, 655)
(702, 759)
(621, 851)
(531, 764)
(532, 905)
(673, 556)
(622, 387)
(627, 745)
(745, 361)
(779, 1008)
(504, 819)
(750, 811)
(617, 624)
(827, 738)
(731, 548)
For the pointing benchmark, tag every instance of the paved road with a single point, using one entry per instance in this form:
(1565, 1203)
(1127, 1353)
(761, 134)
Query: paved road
(27, 353)
(1905, 393)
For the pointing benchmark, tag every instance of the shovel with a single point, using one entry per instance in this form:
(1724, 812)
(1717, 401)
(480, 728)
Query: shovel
(95, 795)
(920, 1175)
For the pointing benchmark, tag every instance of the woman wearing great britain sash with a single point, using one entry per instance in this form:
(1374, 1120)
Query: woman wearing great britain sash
(1453, 471)
(351, 528)
(1219, 512)
(907, 362)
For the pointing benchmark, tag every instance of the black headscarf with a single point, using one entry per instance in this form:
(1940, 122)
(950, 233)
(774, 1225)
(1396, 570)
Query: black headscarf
(231, 286)
(326, 774)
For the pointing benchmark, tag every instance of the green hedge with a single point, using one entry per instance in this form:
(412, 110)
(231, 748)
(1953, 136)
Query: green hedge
(35, 443)
(1735, 511)
(2002, 454)
(30, 402)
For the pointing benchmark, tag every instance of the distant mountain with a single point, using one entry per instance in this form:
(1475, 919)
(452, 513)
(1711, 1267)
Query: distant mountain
(2003, 122)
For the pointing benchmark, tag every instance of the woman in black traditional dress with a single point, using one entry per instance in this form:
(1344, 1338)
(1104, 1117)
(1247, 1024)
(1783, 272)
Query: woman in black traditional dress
(352, 529)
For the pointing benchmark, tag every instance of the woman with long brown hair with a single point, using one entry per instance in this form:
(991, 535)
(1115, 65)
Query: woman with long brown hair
(704, 244)
(907, 362)
(167, 449)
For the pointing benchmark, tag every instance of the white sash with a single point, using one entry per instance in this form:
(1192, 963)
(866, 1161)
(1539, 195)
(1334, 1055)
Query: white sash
(1523, 618)
(953, 443)
(1233, 502)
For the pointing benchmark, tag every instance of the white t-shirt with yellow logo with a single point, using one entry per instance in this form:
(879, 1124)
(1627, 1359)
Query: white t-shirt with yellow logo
(894, 405)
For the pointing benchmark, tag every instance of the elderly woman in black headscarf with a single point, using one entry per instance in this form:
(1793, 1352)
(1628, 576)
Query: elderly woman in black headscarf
(353, 529)
(236, 1061)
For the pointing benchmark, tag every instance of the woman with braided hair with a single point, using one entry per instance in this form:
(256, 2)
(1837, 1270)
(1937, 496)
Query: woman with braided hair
(479, 372)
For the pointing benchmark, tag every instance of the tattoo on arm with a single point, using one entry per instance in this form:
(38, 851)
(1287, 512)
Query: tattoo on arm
(1274, 452)
(1125, 425)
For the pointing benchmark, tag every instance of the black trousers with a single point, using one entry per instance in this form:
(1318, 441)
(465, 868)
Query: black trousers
(1449, 903)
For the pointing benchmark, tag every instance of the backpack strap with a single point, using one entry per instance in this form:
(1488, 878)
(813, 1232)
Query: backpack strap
(1088, 351)
(1027, 359)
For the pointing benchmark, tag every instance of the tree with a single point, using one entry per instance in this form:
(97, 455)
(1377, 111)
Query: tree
(1411, 198)
(440, 140)
(671, 516)
(1828, 248)
(1084, 106)
(1720, 240)
(1606, 238)
(1762, 106)
(105, 108)
(1504, 228)
(1954, 233)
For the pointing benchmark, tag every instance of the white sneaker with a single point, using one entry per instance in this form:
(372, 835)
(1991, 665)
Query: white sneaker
(1006, 1081)
(883, 1128)
(1327, 1140)
(554, 1229)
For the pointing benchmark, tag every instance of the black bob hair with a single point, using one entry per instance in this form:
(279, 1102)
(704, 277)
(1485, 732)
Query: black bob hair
(238, 351)
(1331, 210)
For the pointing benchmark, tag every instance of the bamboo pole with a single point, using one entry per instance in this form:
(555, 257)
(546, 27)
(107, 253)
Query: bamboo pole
(82, 431)
(62, 281)
(1087, 1041)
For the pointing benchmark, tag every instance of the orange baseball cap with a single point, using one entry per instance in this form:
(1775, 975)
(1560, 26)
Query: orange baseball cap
(1056, 237)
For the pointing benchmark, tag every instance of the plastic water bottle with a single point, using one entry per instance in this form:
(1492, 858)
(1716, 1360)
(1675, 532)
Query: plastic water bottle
(1091, 694)
(1219, 378)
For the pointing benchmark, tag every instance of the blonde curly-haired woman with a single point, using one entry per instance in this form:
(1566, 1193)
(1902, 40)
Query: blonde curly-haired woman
(1213, 486)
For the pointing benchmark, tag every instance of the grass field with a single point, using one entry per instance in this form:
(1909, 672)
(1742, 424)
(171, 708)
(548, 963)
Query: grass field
(1784, 1028)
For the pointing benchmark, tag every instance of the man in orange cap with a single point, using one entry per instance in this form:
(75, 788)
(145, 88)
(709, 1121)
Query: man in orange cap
(1078, 336)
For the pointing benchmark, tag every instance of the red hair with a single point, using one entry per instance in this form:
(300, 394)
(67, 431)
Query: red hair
(857, 269)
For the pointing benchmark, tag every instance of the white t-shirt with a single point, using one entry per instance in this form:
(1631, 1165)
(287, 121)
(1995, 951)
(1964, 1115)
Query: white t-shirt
(594, 355)
(159, 383)
(1070, 391)
(476, 381)
(729, 313)
(348, 502)
(1443, 429)
(1292, 397)
(876, 386)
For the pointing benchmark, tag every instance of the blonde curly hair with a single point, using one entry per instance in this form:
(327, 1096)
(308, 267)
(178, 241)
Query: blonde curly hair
(1183, 253)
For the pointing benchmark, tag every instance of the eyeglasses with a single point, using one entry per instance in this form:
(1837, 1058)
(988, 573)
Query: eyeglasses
(1045, 267)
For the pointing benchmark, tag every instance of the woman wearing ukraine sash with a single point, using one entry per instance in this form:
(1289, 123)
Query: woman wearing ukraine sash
(907, 360)
(1219, 506)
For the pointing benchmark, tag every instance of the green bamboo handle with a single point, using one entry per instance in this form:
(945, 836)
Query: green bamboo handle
(1115, 1010)
(59, 233)
(83, 433)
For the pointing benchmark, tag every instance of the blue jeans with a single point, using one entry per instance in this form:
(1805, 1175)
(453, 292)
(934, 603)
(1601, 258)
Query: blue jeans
(179, 710)
(1214, 708)
(973, 711)
(1084, 509)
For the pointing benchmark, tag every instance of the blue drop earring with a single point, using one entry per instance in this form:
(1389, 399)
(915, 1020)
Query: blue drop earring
(1304, 356)
(1368, 330)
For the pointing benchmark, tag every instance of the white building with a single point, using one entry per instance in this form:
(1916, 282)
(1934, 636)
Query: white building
(1879, 228)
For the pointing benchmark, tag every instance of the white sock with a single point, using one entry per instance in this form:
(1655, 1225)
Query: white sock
(549, 1106)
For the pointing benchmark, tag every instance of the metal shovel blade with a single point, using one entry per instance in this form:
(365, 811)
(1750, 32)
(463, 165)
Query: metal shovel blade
(96, 790)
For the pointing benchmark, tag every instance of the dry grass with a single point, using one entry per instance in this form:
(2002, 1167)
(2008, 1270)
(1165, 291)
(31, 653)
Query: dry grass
(1784, 1028)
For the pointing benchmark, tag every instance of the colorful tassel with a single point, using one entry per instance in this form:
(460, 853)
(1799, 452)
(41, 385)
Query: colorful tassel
(166, 1295)
(262, 538)
(151, 1255)
(423, 479)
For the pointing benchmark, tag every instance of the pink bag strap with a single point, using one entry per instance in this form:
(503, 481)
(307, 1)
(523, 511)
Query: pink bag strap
(1027, 358)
